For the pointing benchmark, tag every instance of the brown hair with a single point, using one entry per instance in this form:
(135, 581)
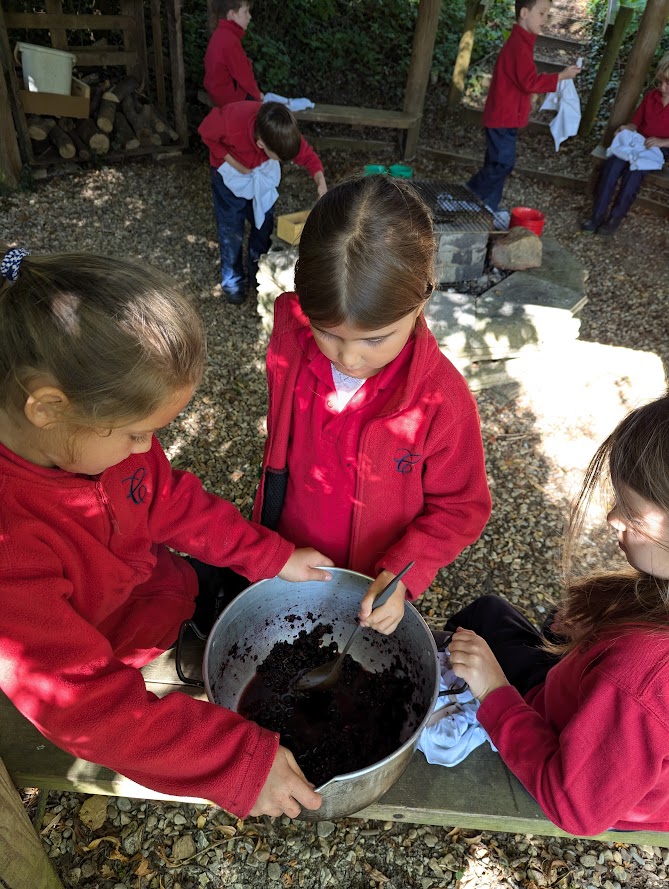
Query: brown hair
(634, 457)
(367, 254)
(221, 8)
(278, 129)
(117, 336)
(525, 4)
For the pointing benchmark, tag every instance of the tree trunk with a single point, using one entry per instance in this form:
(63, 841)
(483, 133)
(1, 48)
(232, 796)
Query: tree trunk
(105, 116)
(23, 861)
(124, 136)
(96, 140)
(62, 142)
(39, 127)
(472, 15)
(608, 60)
(651, 27)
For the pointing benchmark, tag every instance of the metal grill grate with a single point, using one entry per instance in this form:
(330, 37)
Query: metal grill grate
(454, 207)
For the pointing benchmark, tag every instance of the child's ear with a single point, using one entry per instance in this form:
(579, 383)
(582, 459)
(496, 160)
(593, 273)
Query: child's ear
(45, 406)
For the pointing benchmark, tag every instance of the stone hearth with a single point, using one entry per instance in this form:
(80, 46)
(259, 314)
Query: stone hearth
(524, 313)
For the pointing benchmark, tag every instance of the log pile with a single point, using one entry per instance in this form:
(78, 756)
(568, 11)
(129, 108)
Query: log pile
(121, 120)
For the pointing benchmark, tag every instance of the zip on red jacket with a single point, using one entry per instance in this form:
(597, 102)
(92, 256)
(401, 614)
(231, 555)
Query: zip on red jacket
(514, 79)
(231, 130)
(428, 503)
(228, 73)
(90, 591)
(591, 743)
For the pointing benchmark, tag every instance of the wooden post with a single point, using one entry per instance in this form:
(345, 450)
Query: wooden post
(23, 862)
(177, 65)
(10, 159)
(9, 75)
(472, 16)
(651, 27)
(159, 68)
(58, 35)
(135, 40)
(419, 69)
(608, 60)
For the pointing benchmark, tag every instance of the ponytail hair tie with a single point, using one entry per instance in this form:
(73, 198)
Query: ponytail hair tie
(10, 265)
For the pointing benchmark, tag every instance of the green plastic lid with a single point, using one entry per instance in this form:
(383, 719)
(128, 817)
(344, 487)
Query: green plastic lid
(375, 169)
(401, 171)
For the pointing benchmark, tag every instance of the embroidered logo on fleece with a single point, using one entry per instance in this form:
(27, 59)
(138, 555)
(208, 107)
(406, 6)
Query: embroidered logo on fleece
(137, 488)
(405, 460)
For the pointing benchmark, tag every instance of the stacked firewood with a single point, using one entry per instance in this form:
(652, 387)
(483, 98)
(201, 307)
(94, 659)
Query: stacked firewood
(121, 120)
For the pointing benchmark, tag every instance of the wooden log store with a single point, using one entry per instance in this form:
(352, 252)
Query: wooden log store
(127, 99)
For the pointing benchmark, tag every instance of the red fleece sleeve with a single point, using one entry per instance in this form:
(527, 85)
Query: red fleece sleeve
(307, 157)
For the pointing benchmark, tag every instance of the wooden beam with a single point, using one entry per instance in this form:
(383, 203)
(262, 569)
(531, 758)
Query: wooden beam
(651, 28)
(175, 38)
(10, 158)
(57, 32)
(419, 69)
(23, 861)
(158, 66)
(39, 20)
(612, 46)
(134, 40)
(9, 73)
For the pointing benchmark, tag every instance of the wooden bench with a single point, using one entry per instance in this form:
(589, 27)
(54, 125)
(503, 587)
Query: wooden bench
(480, 793)
(349, 116)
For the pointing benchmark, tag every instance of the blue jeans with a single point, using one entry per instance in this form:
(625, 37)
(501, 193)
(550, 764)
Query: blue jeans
(500, 159)
(231, 214)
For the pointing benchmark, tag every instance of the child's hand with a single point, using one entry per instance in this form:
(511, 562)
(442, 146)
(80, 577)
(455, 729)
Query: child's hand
(570, 72)
(321, 184)
(473, 661)
(656, 142)
(386, 618)
(285, 789)
(301, 566)
(625, 126)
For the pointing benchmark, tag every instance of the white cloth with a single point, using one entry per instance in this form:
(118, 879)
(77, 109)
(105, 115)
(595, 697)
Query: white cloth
(293, 104)
(345, 386)
(568, 106)
(453, 735)
(258, 185)
(631, 147)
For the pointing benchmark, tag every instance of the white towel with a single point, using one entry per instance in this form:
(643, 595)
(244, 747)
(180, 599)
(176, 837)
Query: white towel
(293, 104)
(453, 735)
(631, 146)
(259, 185)
(568, 106)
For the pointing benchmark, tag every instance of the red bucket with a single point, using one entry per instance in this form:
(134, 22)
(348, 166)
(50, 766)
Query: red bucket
(527, 217)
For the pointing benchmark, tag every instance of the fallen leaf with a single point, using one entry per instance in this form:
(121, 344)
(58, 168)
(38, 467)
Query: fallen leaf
(93, 812)
(226, 829)
(51, 823)
(95, 843)
(201, 821)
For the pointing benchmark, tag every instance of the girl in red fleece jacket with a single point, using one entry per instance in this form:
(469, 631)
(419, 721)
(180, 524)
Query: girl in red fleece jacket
(374, 451)
(581, 717)
(96, 355)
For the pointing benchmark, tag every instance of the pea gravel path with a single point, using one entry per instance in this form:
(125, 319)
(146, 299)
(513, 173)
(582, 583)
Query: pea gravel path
(539, 433)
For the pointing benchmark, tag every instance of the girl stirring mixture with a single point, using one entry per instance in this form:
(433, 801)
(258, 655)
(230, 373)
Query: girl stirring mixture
(96, 355)
(374, 451)
(582, 719)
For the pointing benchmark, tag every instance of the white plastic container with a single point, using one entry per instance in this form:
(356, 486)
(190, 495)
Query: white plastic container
(45, 70)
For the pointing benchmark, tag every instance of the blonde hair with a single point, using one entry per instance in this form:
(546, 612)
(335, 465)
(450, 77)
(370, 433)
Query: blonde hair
(634, 457)
(117, 336)
(662, 70)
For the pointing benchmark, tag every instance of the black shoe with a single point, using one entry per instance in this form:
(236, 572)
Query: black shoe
(589, 227)
(236, 298)
(609, 228)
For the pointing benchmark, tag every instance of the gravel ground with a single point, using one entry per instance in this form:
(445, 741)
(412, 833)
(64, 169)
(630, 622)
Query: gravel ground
(539, 433)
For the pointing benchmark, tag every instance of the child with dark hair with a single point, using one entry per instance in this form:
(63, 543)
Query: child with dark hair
(96, 355)
(507, 106)
(619, 184)
(250, 138)
(580, 714)
(373, 448)
(228, 73)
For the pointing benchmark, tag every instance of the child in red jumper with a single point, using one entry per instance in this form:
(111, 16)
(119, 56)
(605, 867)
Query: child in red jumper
(96, 355)
(228, 73)
(651, 119)
(373, 447)
(581, 719)
(507, 106)
(246, 136)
